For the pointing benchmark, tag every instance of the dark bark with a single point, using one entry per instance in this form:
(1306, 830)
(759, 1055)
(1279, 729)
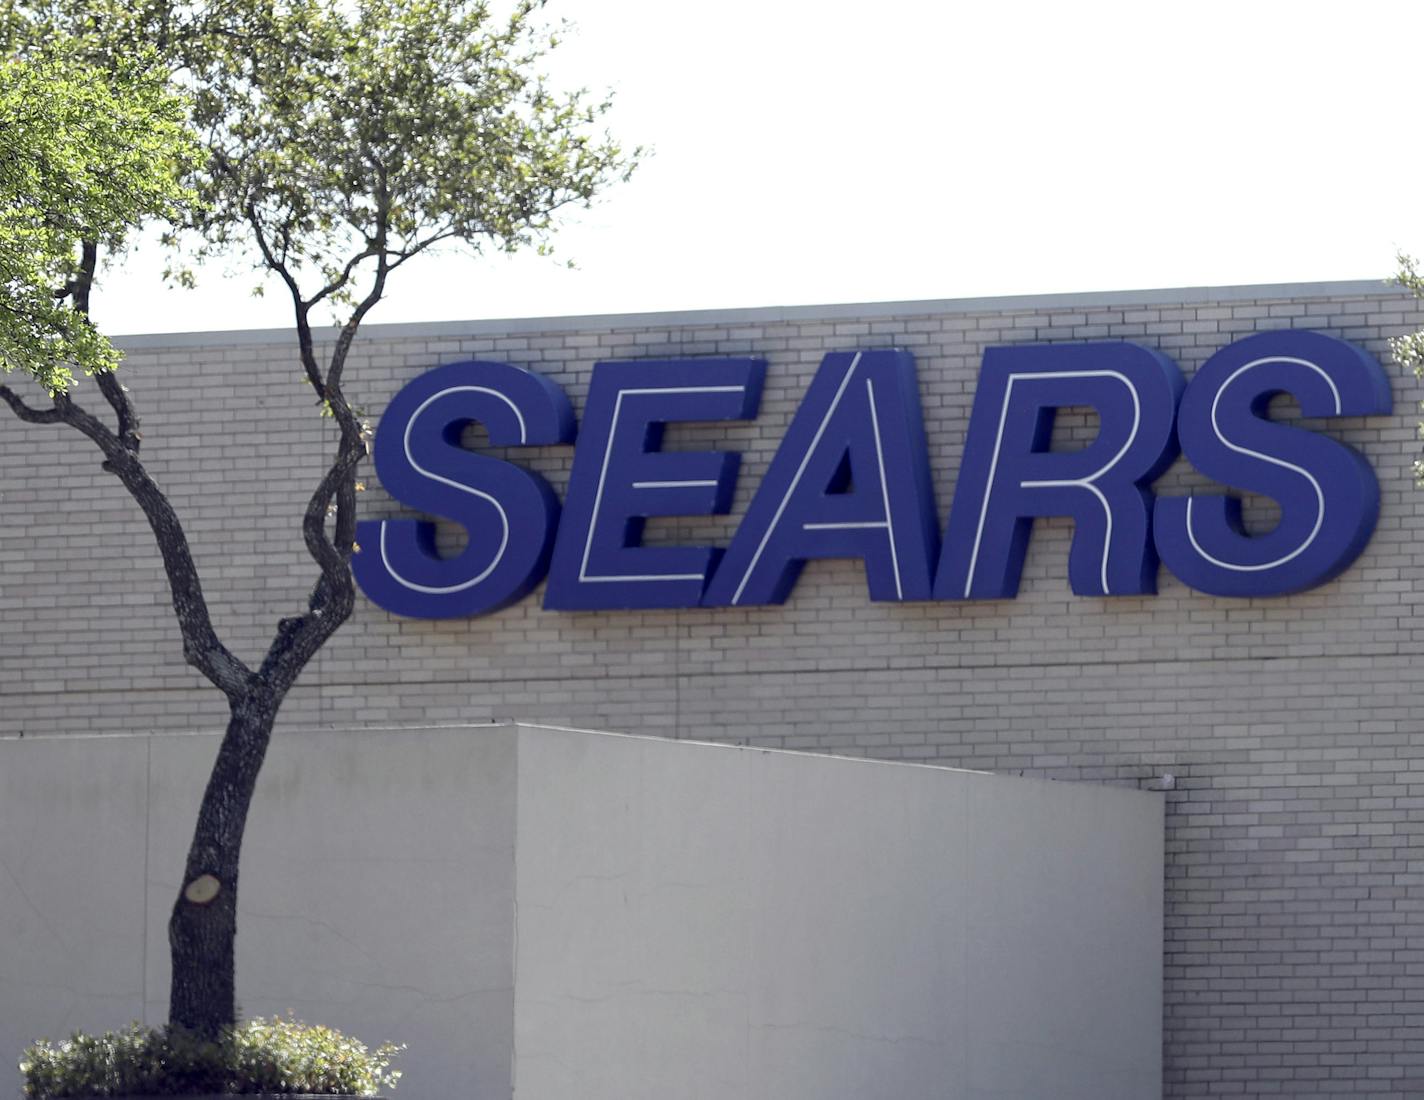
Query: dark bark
(202, 930)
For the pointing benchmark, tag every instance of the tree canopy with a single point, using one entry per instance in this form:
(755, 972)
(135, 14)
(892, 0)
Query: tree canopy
(351, 134)
(1409, 349)
(85, 155)
(337, 140)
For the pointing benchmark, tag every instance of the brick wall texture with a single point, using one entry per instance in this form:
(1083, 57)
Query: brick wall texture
(1295, 841)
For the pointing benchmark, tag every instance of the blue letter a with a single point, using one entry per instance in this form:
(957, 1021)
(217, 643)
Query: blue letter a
(851, 479)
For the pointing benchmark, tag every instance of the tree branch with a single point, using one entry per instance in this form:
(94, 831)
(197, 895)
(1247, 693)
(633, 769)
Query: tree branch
(79, 418)
(201, 647)
(305, 342)
(378, 244)
(420, 246)
(268, 256)
(83, 281)
(333, 596)
(341, 281)
(348, 330)
(117, 397)
(28, 413)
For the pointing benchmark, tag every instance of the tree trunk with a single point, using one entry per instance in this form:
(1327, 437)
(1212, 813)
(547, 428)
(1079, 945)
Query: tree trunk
(202, 931)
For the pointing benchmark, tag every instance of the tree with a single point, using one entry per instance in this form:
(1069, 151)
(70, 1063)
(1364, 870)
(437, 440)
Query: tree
(340, 140)
(84, 156)
(1408, 350)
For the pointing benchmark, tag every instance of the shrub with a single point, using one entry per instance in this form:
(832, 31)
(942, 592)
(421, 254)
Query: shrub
(259, 1056)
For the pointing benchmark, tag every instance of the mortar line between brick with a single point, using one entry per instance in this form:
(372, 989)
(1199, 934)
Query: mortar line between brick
(822, 670)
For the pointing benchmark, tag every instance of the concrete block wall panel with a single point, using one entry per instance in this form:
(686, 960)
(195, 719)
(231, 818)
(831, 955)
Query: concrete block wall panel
(543, 913)
(733, 924)
(1293, 910)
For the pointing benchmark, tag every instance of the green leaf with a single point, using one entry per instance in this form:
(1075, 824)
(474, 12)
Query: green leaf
(85, 155)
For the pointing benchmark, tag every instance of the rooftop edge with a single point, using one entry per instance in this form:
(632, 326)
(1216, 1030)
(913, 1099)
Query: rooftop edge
(755, 314)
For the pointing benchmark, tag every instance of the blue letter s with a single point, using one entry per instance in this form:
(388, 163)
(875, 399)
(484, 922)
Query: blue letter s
(1328, 494)
(509, 513)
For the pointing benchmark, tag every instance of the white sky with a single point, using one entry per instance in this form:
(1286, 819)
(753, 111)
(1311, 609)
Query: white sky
(827, 151)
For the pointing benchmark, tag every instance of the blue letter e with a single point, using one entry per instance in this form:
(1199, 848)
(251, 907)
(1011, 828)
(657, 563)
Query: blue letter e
(508, 513)
(622, 477)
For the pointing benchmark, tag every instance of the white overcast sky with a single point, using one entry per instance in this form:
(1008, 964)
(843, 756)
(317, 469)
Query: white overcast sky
(811, 152)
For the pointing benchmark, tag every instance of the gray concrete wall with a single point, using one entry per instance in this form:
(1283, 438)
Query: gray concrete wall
(376, 895)
(548, 913)
(742, 925)
(1292, 906)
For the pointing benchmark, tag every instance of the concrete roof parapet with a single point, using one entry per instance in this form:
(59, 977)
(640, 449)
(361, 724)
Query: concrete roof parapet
(1360, 288)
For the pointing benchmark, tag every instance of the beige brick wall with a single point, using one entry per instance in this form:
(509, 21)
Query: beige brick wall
(1295, 944)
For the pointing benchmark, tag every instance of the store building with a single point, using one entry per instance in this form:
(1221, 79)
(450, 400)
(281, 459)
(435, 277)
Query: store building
(1284, 728)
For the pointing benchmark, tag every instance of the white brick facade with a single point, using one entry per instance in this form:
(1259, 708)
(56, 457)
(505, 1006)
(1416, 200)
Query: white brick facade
(1295, 895)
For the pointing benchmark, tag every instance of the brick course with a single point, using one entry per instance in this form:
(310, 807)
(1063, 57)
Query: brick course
(1295, 892)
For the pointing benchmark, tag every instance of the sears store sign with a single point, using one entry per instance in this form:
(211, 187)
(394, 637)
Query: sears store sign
(852, 479)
